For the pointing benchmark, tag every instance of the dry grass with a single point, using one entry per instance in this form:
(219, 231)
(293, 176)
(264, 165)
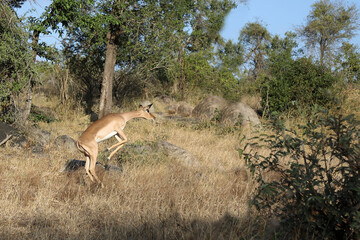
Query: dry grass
(159, 200)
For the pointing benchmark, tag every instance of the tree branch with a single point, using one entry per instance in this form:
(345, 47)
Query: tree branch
(6, 139)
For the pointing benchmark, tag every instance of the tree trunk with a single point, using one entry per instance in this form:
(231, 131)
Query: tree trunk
(108, 75)
(182, 77)
(179, 83)
(64, 85)
(23, 100)
(322, 51)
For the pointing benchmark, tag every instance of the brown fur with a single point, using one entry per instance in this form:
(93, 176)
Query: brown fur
(100, 131)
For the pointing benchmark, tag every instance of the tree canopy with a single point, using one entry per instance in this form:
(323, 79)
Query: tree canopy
(328, 23)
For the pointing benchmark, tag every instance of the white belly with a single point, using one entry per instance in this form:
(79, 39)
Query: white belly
(106, 137)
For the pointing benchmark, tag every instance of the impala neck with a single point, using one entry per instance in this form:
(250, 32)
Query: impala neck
(130, 115)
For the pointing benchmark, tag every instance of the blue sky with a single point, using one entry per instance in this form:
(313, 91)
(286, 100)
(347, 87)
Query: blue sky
(279, 16)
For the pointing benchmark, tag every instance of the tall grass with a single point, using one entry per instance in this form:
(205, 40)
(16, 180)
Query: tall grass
(159, 200)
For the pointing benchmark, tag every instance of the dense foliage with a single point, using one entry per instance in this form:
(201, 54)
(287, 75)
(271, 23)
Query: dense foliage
(151, 48)
(16, 65)
(296, 85)
(316, 191)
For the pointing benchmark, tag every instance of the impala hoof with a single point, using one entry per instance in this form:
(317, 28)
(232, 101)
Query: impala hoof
(108, 159)
(108, 149)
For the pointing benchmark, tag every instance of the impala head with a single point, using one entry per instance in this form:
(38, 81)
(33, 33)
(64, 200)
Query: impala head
(145, 112)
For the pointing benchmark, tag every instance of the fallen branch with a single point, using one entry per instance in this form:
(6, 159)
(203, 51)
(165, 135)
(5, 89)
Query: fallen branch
(6, 139)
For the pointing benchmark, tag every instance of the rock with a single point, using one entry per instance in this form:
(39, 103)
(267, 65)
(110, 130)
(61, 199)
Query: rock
(137, 149)
(155, 151)
(206, 108)
(15, 137)
(39, 139)
(239, 112)
(74, 165)
(65, 141)
(181, 108)
(180, 154)
(40, 136)
(147, 103)
(35, 137)
(7, 132)
(171, 109)
(184, 109)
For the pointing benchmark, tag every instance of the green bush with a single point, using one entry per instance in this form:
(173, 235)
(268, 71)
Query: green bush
(296, 85)
(16, 64)
(316, 194)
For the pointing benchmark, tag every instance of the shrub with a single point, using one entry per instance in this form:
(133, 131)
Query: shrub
(317, 193)
(295, 85)
(17, 70)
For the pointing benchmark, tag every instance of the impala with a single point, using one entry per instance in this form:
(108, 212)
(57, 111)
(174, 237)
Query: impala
(105, 128)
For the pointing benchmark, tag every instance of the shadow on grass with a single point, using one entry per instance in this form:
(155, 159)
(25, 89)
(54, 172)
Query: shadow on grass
(173, 227)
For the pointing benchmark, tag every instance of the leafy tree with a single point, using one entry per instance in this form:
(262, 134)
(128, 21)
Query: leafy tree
(145, 40)
(255, 37)
(14, 3)
(230, 56)
(328, 24)
(17, 69)
(349, 62)
(280, 51)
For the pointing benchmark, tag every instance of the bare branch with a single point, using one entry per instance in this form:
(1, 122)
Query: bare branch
(6, 139)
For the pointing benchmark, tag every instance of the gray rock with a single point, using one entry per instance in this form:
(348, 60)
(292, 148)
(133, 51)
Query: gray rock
(184, 109)
(180, 154)
(206, 109)
(147, 103)
(40, 136)
(171, 109)
(239, 112)
(64, 141)
(74, 165)
(7, 132)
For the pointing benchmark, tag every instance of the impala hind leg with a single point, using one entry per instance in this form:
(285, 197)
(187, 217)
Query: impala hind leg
(87, 168)
(92, 169)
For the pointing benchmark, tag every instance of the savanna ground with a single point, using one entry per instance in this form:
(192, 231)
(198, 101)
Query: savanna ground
(155, 198)
(152, 199)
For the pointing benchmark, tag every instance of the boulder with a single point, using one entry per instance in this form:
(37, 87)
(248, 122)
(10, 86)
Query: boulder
(239, 113)
(171, 109)
(184, 109)
(207, 108)
(40, 136)
(64, 141)
(7, 132)
(155, 151)
(183, 156)
(147, 103)
(74, 165)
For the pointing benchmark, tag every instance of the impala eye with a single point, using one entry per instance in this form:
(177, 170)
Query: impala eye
(148, 110)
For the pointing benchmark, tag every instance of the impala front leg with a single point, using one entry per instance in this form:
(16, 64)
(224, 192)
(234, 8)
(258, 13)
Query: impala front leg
(118, 145)
(115, 145)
